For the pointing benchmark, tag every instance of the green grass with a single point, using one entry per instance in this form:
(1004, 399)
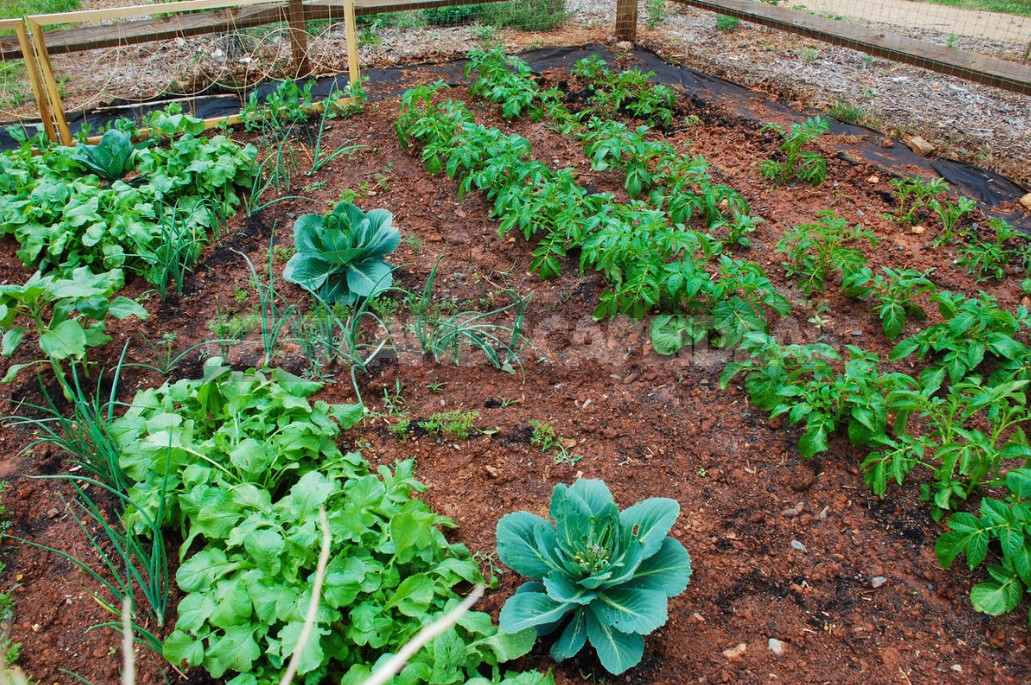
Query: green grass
(21, 8)
(1021, 7)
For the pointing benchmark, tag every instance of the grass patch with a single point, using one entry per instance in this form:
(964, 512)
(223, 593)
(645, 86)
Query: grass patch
(21, 8)
(846, 112)
(726, 23)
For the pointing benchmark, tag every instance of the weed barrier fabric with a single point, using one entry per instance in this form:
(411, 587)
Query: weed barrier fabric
(992, 191)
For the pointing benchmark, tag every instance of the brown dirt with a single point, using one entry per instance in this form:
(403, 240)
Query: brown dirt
(648, 425)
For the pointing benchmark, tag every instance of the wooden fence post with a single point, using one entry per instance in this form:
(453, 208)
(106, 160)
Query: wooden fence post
(298, 38)
(626, 20)
(32, 71)
(46, 70)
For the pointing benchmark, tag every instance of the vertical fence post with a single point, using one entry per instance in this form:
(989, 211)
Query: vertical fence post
(352, 42)
(32, 70)
(626, 20)
(49, 83)
(298, 37)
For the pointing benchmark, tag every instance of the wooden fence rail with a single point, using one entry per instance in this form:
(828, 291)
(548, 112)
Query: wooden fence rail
(972, 67)
(217, 16)
(32, 44)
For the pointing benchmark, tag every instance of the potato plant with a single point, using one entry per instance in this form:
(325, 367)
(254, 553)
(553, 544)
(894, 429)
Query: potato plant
(796, 163)
(816, 251)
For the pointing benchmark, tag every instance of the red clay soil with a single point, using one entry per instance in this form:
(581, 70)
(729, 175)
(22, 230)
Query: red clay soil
(783, 547)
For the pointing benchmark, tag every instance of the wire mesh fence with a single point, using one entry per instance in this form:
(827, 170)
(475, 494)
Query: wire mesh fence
(987, 46)
(239, 55)
(253, 44)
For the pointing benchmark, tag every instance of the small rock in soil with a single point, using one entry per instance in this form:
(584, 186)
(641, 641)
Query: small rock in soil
(52, 512)
(794, 511)
(1026, 201)
(795, 544)
(775, 646)
(920, 146)
(856, 334)
(878, 581)
(735, 652)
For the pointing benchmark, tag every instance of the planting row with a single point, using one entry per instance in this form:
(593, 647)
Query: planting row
(960, 421)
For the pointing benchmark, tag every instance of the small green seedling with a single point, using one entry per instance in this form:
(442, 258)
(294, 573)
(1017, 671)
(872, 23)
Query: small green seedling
(797, 164)
(456, 425)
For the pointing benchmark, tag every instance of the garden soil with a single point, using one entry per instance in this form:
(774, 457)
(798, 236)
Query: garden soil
(784, 548)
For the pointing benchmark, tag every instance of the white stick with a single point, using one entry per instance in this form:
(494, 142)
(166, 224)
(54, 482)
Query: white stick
(313, 605)
(128, 657)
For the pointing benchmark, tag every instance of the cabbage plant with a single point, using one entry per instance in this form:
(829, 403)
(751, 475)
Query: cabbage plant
(110, 159)
(340, 255)
(601, 575)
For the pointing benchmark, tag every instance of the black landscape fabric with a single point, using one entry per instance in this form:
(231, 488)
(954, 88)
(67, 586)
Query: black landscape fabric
(993, 192)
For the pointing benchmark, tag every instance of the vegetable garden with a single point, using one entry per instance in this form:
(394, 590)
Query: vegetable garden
(695, 397)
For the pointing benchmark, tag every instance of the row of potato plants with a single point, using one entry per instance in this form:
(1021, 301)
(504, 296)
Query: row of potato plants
(648, 262)
(967, 433)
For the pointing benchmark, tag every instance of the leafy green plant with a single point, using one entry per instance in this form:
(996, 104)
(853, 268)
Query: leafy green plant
(950, 215)
(970, 433)
(111, 158)
(543, 435)
(68, 315)
(64, 220)
(972, 328)
(450, 16)
(988, 259)
(600, 575)
(526, 15)
(242, 463)
(610, 144)
(772, 367)
(913, 196)
(842, 110)
(505, 80)
(1006, 521)
(590, 68)
(895, 292)
(632, 92)
(401, 428)
(545, 438)
(815, 251)
(797, 163)
(340, 255)
(800, 381)
(738, 227)
(285, 106)
(727, 23)
(657, 13)
(455, 424)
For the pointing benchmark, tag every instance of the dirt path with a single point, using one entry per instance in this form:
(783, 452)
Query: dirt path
(907, 14)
